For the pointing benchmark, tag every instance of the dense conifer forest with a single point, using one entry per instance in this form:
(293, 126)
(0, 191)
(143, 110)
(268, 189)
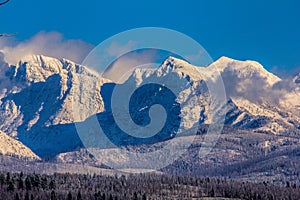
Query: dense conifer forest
(19, 186)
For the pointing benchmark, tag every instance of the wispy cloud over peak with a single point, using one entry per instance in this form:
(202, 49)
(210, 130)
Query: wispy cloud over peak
(45, 43)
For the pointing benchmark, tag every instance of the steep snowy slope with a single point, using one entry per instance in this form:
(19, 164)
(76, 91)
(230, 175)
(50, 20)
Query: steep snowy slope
(40, 113)
(12, 147)
(262, 105)
(251, 102)
(178, 87)
(66, 75)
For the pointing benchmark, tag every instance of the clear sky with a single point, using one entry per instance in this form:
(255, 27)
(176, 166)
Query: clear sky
(266, 31)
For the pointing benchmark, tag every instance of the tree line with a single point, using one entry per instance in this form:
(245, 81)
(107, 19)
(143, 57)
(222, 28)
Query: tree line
(19, 186)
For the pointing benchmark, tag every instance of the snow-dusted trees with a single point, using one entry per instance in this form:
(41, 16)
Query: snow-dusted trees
(138, 187)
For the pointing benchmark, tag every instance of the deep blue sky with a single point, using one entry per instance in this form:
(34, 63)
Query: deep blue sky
(266, 31)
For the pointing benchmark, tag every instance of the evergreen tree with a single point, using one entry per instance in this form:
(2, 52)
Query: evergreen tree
(2, 179)
(79, 196)
(69, 197)
(17, 196)
(53, 195)
(36, 181)
(27, 196)
(44, 183)
(11, 186)
(7, 177)
(211, 192)
(28, 183)
(144, 197)
(52, 185)
(20, 183)
(135, 196)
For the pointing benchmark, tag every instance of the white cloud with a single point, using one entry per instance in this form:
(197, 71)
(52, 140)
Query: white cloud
(120, 70)
(45, 43)
(116, 49)
(199, 58)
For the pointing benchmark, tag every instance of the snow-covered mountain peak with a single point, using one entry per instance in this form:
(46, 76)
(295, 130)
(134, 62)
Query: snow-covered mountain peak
(224, 62)
(172, 61)
(36, 68)
(248, 69)
(182, 68)
(79, 69)
(38, 59)
(225, 59)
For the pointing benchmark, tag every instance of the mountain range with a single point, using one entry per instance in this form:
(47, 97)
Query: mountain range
(38, 119)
